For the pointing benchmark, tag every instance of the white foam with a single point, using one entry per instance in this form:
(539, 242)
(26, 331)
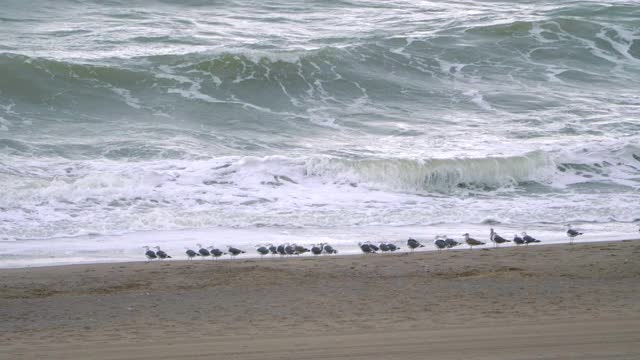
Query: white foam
(43, 200)
(128, 98)
(623, 45)
(478, 99)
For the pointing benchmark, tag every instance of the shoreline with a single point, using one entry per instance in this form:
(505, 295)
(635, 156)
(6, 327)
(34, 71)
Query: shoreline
(553, 301)
(256, 257)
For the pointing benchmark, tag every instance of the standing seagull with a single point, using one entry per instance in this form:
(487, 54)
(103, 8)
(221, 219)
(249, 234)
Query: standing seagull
(215, 252)
(471, 241)
(316, 249)
(281, 250)
(299, 249)
(366, 248)
(413, 244)
(149, 254)
(234, 251)
(517, 239)
(497, 239)
(262, 250)
(439, 242)
(161, 254)
(289, 249)
(191, 254)
(392, 247)
(450, 242)
(203, 252)
(384, 247)
(329, 249)
(529, 239)
(273, 249)
(571, 233)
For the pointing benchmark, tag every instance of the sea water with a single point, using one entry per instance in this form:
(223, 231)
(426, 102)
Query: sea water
(131, 123)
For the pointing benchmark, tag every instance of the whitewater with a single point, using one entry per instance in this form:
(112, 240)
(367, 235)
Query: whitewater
(125, 124)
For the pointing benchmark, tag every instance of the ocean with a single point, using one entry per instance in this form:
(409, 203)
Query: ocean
(148, 122)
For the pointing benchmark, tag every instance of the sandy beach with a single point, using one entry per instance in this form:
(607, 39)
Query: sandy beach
(540, 302)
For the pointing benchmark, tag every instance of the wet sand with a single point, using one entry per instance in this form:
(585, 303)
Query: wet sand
(539, 302)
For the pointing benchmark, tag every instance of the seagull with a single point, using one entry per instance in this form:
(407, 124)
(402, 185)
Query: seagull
(149, 253)
(413, 244)
(366, 248)
(528, 239)
(329, 249)
(262, 250)
(497, 239)
(280, 249)
(161, 254)
(300, 249)
(384, 247)
(203, 252)
(215, 252)
(392, 247)
(191, 254)
(316, 249)
(439, 242)
(234, 251)
(471, 241)
(517, 239)
(289, 249)
(571, 233)
(375, 248)
(450, 242)
(273, 249)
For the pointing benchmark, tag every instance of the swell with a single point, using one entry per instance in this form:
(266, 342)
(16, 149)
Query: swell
(570, 49)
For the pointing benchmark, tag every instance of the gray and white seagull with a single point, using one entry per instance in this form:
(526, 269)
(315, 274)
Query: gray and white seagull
(150, 254)
(471, 241)
(571, 233)
(161, 254)
(497, 239)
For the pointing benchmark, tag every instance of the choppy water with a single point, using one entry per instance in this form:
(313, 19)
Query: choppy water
(289, 117)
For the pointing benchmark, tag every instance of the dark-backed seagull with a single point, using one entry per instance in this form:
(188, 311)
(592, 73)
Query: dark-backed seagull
(529, 239)
(161, 254)
(572, 233)
(150, 254)
(517, 239)
(191, 254)
(439, 242)
(329, 249)
(413, 244)
(366, 248)
(234, 251)
(215, 252)
(497, 239)
(202, 251)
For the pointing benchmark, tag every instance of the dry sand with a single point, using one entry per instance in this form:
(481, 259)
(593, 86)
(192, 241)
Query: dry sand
(541, 302)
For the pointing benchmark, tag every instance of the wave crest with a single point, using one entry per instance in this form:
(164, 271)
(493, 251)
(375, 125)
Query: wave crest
(440, 175)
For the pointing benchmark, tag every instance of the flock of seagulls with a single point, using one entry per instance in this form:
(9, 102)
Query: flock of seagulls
(212, 251)
(262, 250)
(288, 249)
(369, 248)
